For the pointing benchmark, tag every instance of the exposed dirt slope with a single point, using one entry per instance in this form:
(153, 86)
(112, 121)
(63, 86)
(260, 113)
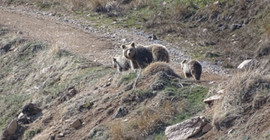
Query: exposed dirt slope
(80, 37)
(58, 33)
(97, 103)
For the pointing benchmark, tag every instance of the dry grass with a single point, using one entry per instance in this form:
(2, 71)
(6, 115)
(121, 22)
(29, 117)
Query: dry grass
(146, 123)
(156, 67)
(263, 48)
(181, 11)
(244, 92)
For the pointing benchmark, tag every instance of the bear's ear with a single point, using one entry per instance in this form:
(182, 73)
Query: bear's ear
(132, 44)
(184, 61)
(123, 46)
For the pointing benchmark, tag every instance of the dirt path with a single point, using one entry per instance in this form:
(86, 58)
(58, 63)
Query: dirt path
(58, 33)
(81, 38)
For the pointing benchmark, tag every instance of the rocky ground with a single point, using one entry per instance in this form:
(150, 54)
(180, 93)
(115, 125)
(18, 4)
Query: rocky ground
(62, 64)
(79, 36)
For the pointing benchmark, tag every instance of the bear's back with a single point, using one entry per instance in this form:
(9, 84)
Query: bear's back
(143, 56)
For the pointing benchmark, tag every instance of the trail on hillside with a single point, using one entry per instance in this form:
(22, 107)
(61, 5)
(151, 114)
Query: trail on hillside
(80, 38)
(57, 33)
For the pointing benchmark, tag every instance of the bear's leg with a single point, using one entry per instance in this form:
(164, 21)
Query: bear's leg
(188, 75)
(134, 64)
(196, 75)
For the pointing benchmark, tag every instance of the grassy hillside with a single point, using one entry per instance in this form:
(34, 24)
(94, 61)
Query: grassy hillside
(224, 32)
(33, 71)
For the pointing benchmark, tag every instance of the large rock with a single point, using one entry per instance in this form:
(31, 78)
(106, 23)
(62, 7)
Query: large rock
(12, 127)
(10, 131)
(187, 129)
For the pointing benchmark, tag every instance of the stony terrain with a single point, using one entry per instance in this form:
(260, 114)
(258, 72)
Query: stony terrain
(63, 65)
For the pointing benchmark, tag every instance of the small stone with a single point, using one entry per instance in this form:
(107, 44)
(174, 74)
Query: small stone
(246, 64)
(216, 3)
(72, 91)
(152, 37)
(207, 128)
(204, 30)
(221, 91)
(107, 84)
(121, 111)
(76, 124)
(211, 99)
(231, 131)
(61, 135)
(19, 32)
(52, 14)
(124, 40)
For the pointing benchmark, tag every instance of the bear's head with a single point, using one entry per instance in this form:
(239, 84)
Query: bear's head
(129, 51)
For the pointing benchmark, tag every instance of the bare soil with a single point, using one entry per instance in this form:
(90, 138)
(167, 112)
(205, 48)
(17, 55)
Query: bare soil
(80, 38)
(96, 46)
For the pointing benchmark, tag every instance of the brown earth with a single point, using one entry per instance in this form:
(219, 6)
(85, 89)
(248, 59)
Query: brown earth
(93, 46)
(58, 33)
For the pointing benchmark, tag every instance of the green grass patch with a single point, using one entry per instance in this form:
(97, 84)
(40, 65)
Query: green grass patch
(193, 98)
(10, 105)
(160, 136)
(127, 78)
(31, 133)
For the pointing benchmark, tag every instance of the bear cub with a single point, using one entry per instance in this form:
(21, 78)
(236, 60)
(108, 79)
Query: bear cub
(121, 63)
(141, 56)
(192, 69)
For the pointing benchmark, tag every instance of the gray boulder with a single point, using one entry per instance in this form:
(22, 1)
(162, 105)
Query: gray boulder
(187, 129)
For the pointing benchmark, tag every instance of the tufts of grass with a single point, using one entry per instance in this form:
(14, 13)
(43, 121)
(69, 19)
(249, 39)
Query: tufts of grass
(144, 94)
(44, 5)
(31, 133)
(192, 98)
(148, 122)
(36, 70)
(245, 92)
(127, 78)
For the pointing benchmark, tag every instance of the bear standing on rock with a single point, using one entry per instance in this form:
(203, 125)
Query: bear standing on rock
(192, 69)
(141, 56)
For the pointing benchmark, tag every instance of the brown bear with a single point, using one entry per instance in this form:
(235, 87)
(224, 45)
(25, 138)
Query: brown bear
(141, 56)
(121, 63)
(192, 69)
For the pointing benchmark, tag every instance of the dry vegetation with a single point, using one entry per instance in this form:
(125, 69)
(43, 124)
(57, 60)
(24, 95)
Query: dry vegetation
(243, 107)
(227, 31)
